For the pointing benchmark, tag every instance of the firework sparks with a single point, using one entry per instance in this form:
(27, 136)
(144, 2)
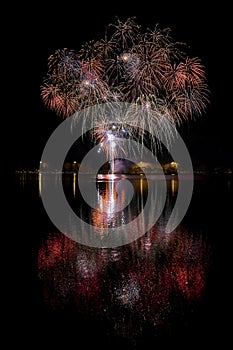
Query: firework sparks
(144, 68)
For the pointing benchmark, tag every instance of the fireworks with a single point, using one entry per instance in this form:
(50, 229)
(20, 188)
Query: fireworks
(144, 68)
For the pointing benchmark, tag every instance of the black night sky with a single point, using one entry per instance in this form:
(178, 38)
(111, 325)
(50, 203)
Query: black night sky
(41, 30)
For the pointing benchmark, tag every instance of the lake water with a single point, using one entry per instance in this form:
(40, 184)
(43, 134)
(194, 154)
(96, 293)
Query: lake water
(158, 290)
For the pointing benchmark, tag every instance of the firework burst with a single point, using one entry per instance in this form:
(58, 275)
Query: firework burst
(143, 68)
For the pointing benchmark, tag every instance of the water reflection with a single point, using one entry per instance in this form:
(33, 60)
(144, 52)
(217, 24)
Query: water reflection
(136, 285)
(116, 205)
(130, 288)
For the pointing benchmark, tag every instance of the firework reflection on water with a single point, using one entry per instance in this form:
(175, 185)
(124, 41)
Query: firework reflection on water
(129, 288)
